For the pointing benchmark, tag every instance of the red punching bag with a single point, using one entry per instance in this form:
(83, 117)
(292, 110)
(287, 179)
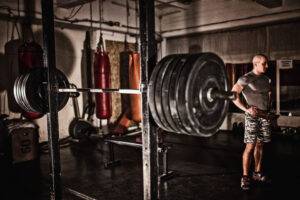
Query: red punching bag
(102, 80)
(30, 55)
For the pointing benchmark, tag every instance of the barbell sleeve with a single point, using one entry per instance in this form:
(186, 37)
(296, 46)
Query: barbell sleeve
(97, 90)
(214, 93)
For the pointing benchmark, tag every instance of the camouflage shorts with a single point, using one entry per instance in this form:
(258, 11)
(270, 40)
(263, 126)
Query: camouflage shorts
(257, 129)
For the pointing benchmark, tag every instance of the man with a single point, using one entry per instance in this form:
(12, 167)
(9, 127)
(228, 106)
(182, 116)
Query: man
(256, 89)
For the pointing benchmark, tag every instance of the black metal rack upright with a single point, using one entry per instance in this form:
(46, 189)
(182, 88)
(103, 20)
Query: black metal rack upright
(149, 133)
(52, 116)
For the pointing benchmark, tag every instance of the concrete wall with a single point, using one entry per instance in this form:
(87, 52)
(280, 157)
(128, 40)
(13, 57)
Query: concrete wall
(238, 46)
(278, 41)
(212, 15)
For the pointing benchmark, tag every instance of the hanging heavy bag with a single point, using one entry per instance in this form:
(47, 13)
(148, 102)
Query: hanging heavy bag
(89, 103)
(102, 80)
(30, 55)
(10, 71)
(124, 77)
(134, 83)
(124, 120)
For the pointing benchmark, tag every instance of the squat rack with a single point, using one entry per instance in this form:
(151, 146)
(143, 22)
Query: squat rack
(148, 52)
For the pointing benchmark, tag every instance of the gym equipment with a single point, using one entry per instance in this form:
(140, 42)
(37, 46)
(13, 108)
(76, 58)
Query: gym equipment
(20, 142)
(188, 93)
(79, 128)
(30, 90)
(102, 80)
(30, 55)
(134, 83)
(89, 105)
(162, 149)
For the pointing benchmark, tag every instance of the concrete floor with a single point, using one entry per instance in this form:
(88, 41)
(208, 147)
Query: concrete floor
(205, 169)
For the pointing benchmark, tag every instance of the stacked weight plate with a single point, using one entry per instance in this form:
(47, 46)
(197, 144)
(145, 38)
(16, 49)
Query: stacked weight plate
(30, 90)
(178, 93)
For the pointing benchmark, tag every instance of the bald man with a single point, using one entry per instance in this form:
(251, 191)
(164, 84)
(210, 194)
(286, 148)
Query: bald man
(256, 89)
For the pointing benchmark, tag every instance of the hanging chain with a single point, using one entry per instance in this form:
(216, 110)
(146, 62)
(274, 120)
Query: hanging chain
(91, 16)
(100, 44)
(136, 25)
(127, 26)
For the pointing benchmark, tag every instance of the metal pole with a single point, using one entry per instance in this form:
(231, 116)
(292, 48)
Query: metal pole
(277, 89)
(119, 142)
(52, 116)
(98, 90)
(149, 134)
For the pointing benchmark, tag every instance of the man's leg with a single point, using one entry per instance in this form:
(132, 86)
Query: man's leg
(264, 136)
(258, 154)
(247, 155)
(250, 139)
(251, 127)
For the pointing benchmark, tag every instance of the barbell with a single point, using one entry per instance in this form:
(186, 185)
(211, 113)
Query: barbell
(188, 93)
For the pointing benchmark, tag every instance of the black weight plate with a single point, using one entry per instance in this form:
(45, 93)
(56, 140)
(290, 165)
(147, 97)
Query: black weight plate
(62, 83)
(151, 90)
(181, 91)
(80, 129)
(18, 92)
(206, 116)
(168, 93)
(159, 95)
(36, 92)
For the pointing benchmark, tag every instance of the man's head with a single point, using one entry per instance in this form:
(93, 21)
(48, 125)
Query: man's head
(260, 64)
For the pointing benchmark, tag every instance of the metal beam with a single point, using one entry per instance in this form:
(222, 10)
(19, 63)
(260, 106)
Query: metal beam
(149, 134)
(52, 116)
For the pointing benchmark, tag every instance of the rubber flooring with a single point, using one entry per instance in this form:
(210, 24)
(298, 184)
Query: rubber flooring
(203, 169)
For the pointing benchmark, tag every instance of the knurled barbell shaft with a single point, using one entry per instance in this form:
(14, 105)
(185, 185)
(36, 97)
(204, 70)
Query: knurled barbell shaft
(96, 90)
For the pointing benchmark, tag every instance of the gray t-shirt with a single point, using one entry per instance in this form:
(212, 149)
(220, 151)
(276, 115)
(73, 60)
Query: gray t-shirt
(256, 90)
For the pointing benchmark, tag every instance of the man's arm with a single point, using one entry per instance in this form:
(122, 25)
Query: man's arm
(238, 89)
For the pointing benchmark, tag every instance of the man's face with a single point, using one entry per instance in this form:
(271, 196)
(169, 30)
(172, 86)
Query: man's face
(262, 65)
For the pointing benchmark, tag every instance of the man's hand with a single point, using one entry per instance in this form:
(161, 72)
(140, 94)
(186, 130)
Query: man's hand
(256, 112)
(266, 115)
(252, 111)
